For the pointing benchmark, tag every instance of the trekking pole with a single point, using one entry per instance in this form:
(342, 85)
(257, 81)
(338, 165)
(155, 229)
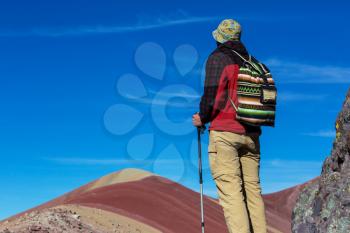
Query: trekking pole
(200, 130)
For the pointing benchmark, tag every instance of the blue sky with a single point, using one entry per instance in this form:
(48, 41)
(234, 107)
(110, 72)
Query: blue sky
(88, 88)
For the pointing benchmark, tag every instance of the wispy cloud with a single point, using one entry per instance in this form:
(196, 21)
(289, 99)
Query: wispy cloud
(162, 99)
(179, 94)
(295, 72)
(103, 161)
(321, 133)
(291, 96)
(278, 174)
(90, 161)
(291, 164)
(157, 23)
(163, 103)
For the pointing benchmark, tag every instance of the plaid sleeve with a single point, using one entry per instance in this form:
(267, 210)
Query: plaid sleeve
(213, 71)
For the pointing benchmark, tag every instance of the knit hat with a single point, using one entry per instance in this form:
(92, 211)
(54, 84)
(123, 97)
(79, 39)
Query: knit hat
(228, 29)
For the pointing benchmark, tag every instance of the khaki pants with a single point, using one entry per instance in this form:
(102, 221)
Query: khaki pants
(234, 163)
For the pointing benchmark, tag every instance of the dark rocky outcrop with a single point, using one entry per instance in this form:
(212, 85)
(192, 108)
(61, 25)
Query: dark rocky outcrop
(324, 206)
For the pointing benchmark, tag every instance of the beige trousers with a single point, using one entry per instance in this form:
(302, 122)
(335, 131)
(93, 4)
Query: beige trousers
(234, 163)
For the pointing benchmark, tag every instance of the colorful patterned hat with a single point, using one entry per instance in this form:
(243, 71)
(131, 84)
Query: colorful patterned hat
(228, 29)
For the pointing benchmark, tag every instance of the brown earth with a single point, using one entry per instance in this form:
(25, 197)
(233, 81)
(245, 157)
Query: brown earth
(137, 201)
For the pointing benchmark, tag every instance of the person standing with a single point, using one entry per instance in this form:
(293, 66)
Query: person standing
(234, 147)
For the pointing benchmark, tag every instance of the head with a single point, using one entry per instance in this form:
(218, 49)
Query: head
(227, 30)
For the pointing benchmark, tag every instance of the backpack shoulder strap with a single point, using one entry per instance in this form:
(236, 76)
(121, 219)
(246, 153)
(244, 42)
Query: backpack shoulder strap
(238, 54)
(250, 62)
(257, 66)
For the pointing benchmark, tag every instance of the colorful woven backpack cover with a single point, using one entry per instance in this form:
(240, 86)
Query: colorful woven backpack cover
(256, 93)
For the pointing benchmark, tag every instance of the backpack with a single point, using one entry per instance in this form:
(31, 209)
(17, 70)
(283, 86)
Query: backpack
(256, 94)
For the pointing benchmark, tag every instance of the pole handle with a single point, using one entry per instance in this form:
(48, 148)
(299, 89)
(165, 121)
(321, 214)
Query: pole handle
(201, 129)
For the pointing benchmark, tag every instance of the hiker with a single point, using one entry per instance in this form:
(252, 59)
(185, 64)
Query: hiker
(234, 147)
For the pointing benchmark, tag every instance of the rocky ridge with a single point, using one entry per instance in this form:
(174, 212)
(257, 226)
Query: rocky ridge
(324, 206)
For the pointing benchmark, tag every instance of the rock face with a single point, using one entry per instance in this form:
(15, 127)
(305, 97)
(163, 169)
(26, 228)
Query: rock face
(324, 206)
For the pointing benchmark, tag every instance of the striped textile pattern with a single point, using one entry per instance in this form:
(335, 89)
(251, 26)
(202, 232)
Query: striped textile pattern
(250, 110)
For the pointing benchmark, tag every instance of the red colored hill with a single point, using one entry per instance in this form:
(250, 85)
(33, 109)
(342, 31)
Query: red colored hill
(165, 205)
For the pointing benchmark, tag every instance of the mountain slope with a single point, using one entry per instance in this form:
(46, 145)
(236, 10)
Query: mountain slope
(151, 202)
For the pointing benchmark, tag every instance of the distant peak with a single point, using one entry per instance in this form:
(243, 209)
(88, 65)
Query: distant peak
(122, 176)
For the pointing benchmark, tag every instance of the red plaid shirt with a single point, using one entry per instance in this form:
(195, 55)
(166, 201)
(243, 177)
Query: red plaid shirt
(220, 81)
